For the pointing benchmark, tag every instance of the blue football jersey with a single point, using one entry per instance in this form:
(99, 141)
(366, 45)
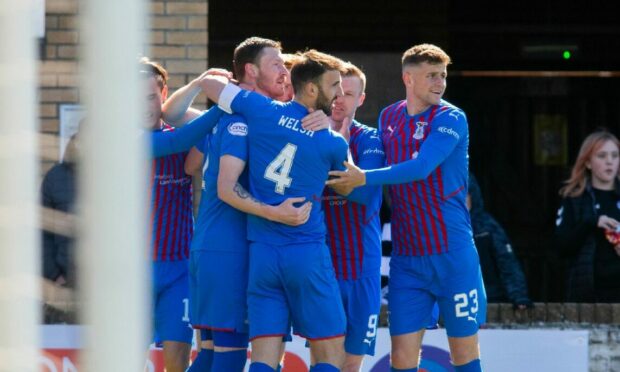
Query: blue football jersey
(219, 226)
(286, 161)
(428, 169)
(353, 228)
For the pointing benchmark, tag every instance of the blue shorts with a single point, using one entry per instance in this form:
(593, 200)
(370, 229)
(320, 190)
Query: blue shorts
(453, 280)
(294, 284)
(218, 283)
(362, 302)
(171, 302)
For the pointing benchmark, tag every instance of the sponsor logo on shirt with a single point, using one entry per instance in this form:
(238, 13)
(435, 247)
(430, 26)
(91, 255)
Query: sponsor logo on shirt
(238, 129)
(449, 131)
(168, 179)
(374, 151)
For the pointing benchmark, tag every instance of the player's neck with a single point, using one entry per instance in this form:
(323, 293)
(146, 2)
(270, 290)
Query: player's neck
(253, 86)
(306, 102)
(415, 107)
(261, 92)
(337, 125)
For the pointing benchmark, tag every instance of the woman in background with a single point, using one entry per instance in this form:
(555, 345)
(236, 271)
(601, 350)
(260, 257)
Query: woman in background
(587, 225)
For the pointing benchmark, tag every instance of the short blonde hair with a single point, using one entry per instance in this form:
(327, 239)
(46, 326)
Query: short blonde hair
(425, 53)
(351, 70)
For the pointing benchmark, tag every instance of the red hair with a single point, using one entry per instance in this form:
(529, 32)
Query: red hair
(580, 174)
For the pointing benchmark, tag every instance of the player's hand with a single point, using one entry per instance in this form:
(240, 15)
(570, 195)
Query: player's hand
(315, 120)
(218, 72)
(212, 72)
(352, 177)
(288, 214)
(607, 223)
(341, 190)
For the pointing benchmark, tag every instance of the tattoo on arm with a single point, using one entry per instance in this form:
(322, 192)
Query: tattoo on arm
(243, 194)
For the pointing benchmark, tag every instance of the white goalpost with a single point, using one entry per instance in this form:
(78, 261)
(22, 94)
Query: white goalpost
(114, 188)
(19, 242)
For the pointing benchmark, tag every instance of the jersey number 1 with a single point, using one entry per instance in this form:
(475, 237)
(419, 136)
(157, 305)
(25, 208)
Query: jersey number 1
(279, 168)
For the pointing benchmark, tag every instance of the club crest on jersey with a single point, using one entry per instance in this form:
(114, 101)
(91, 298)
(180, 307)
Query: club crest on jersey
(238, 129)
(419, 131)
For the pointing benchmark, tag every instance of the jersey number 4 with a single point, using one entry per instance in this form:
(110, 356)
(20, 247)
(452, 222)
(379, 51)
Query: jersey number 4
(278, 170)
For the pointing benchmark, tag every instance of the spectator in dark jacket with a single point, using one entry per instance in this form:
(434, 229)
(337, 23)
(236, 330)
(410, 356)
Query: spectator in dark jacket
(587, 227)
(503, 278)
(58, 192)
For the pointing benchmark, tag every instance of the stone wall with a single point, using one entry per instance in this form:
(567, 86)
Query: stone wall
(601, 320)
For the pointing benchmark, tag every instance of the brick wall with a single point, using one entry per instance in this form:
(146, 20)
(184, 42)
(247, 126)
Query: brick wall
(178, 39)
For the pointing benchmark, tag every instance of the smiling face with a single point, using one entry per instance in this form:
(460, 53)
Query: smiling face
(425, 84)
(154, 98)
(604, 166)
(352, 98)
(272, 75)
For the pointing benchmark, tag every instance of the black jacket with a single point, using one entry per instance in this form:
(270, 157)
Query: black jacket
(576, 229)
(58, 192)
(501, 271)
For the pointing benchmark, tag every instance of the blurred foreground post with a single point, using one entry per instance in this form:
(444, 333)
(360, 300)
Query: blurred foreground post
(19, 169)
(113, 188)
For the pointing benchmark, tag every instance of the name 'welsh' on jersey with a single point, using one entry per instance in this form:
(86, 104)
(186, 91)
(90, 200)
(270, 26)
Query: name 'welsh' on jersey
(286, 161)
(429, 216)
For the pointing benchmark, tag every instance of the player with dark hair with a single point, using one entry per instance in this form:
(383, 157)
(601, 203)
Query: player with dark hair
(291, 276)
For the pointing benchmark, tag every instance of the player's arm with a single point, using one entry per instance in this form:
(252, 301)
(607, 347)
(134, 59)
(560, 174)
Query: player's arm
(176, 111)
(371, 156)
(184, 138)
(232, 192)
(434, 151)
(193, 162)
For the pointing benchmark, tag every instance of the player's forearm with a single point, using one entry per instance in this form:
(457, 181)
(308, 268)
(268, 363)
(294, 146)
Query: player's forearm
(239, 198)
(178, 104)
(364, 195)
(408, 171)
(183, 139)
